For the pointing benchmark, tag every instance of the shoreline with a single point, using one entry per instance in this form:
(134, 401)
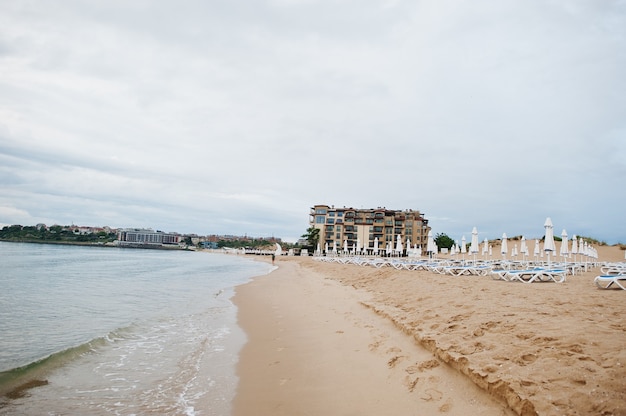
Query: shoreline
(315, 347)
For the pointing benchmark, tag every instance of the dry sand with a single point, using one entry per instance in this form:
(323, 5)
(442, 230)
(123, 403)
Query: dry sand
(332, 339)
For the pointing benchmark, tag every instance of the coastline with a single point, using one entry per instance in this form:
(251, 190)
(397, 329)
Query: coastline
(327, 338)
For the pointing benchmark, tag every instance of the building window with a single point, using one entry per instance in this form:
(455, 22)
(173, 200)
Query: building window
(320, 219)
(320, 211)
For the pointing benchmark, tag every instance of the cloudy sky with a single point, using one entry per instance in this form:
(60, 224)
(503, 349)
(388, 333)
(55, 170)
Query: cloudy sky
(236, 117)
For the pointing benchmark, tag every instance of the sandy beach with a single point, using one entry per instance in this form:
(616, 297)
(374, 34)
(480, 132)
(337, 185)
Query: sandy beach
(341, 339)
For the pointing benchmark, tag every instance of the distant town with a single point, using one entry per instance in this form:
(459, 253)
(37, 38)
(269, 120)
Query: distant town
(128, 237)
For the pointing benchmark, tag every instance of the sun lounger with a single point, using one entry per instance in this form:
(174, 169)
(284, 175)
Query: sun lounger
(466, 270)
(612, 281)
(538, 275)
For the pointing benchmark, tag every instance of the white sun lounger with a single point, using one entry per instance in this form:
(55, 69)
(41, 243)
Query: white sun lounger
(541, 275)
(612, 281)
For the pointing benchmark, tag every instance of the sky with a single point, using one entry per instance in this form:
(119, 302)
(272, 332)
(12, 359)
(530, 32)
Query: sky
(236, 117)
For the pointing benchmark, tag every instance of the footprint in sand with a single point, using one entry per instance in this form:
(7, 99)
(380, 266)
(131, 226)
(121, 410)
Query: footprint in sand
(411, 383)
(427, 365)
(394, 360)
(431, 395)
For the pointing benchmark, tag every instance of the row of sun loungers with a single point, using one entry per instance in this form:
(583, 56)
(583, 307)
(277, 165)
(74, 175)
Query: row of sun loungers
(613, 274)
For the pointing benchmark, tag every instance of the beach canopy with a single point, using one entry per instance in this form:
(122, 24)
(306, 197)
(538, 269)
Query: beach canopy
(564, 244)
(523, 248)
(430, 243)
(399, 244)
(474, 243)
(548, 243)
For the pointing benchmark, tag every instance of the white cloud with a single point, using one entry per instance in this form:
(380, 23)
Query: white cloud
(227, 118)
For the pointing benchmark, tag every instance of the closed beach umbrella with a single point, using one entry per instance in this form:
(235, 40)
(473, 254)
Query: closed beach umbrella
(358, 246)
(548, 243)
(430, 243)
(564, 244)
(581, 246)
(504, 248)
(536, 251)
(376, 246)
(335, 247)
(474, 243)
(523, 248)
(399, 247)
(485, 247)
(345, 246)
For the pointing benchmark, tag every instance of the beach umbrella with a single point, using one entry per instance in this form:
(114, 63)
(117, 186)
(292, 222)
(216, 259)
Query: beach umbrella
(581, 246)
(375, 251)
(485, 247)
(564, 244)
(326, 248)
(279, 250)
(345, 246)
(318, 249)
(548, 242)
(399, 247)
(536, 251)
(490, 251)
(430, 243)
(474, 243)
(574, 247)
(334, 247)
(523, 248)
(408, 246)
(357, 249)
(504, 248)
(514, 252)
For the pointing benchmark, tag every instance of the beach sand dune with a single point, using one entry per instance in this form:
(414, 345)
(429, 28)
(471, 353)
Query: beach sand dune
(333, 339)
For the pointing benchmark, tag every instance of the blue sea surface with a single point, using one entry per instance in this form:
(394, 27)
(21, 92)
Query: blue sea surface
(118, 331)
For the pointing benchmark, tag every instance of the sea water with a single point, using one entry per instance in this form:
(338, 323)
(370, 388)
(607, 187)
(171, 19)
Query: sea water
(100, 331)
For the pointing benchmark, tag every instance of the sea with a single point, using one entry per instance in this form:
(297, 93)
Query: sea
(119, 331)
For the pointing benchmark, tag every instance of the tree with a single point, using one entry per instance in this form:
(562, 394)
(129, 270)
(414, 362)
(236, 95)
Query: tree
(312, 236)
(443, 241)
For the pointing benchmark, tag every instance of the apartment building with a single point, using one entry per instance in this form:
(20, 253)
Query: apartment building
(337, 225)
(136, 236)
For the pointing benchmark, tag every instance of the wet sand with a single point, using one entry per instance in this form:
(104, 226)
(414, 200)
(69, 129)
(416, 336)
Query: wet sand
(335, 339)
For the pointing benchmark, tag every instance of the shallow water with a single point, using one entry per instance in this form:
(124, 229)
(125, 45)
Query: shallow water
(118, 331)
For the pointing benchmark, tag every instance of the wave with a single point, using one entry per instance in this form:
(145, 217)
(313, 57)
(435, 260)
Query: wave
(14, 383)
